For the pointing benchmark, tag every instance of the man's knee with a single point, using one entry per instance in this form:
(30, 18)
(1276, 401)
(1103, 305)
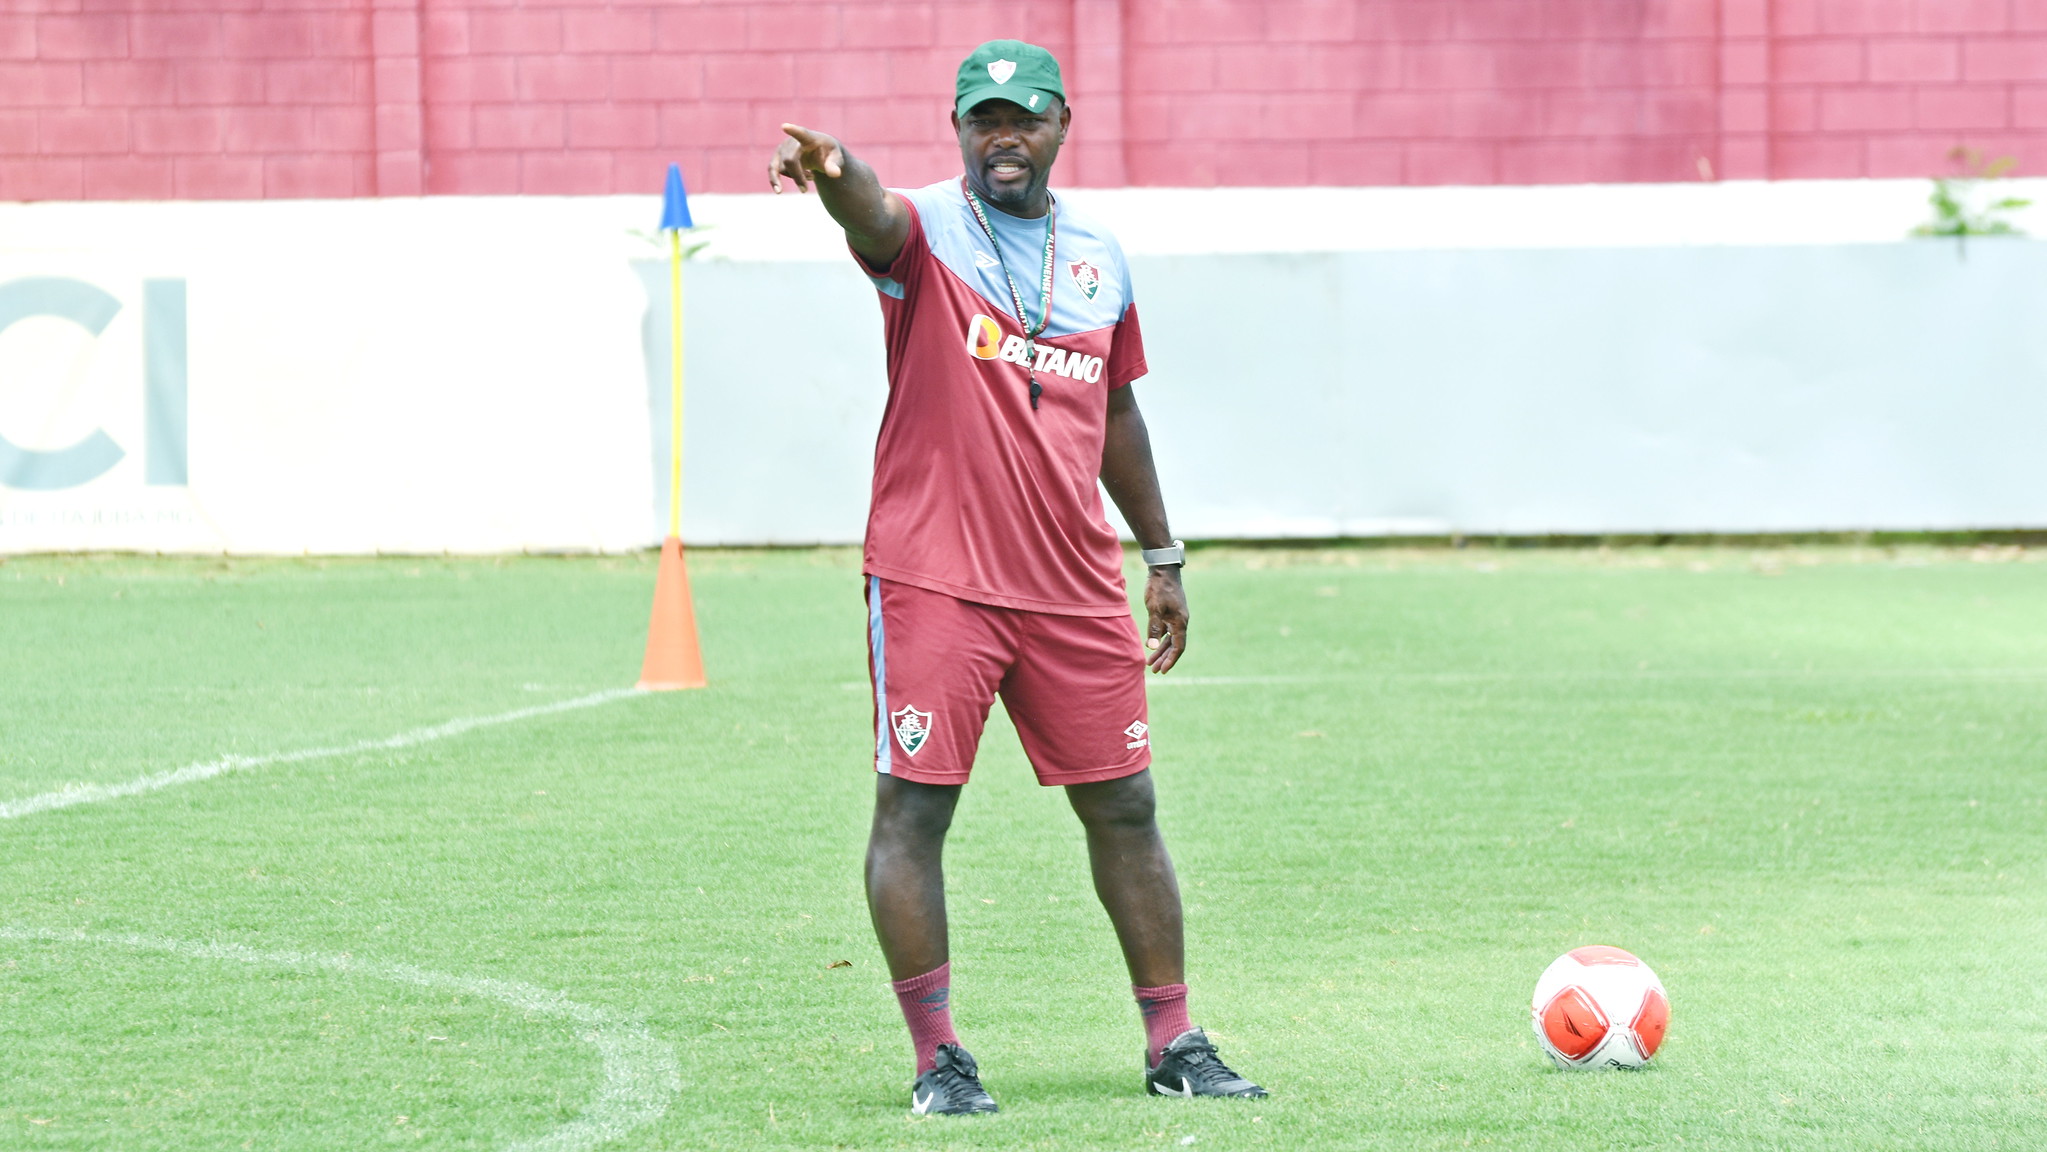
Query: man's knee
(1123, 804)
(906, 812)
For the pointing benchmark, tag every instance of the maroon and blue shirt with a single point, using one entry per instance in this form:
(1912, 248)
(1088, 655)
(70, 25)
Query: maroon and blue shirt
(976, 494)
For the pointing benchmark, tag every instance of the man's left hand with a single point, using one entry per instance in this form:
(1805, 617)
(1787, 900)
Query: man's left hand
(1165, 603)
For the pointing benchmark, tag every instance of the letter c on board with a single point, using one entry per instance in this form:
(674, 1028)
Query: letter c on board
(92, 308)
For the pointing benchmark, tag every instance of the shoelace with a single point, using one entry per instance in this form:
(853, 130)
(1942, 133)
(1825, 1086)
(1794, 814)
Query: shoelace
(952, 1075)
(1204, 1063)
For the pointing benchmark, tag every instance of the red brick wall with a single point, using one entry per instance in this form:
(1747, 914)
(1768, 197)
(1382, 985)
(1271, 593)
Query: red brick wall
(126, 99)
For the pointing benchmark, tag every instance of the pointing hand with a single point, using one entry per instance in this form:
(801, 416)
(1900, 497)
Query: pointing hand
(803, 153)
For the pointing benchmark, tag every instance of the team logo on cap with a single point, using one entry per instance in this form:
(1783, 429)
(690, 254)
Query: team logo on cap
(912, 727)
(1001, 70)
(1087, 277)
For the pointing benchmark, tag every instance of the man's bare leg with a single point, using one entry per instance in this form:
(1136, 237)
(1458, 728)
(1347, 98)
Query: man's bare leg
(906, 898)
(1134, 878)
(1134, 875)
(906, 875)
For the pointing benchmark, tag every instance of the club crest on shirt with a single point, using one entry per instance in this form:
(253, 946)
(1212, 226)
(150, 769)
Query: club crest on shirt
(1087, 277)
(912, 727)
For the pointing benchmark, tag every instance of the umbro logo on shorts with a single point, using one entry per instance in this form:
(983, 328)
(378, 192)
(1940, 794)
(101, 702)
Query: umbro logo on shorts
(912, 728)
(1139, 735)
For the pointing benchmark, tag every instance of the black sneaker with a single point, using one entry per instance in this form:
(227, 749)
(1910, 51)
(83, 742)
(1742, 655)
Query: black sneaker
(1189, 1067)
(953, 1088)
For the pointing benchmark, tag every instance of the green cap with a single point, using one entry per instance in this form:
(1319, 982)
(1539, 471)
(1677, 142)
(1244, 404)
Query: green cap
(1010, 70)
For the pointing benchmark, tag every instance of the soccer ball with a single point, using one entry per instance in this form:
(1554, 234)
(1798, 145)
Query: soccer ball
(1600, 1007)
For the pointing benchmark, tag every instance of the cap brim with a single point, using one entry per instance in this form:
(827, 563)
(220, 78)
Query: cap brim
(1016, 94)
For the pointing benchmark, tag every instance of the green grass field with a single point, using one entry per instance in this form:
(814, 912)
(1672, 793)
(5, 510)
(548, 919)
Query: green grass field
(1808, 786)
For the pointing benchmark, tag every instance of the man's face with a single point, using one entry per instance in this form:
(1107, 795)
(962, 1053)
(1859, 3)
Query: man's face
(1008, 150)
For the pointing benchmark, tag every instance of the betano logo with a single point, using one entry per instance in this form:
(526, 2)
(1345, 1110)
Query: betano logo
(984, 338)
(985, 341)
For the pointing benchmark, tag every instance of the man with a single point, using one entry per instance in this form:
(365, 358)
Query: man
(1012, 342)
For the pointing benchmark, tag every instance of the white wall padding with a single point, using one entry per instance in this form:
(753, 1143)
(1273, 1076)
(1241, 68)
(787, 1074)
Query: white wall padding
(1725, 389)
(1710, 389)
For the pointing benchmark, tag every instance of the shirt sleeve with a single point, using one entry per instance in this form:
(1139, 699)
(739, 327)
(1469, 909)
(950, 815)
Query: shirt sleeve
(1126, 344)
(1126, 349)
(898, 278)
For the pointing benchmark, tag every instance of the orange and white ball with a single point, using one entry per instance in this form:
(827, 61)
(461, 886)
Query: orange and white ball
(1600, 1007)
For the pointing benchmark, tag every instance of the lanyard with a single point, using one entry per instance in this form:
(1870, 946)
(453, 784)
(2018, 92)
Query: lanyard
(1023, 318)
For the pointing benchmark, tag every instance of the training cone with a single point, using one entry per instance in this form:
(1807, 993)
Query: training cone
(673, 658)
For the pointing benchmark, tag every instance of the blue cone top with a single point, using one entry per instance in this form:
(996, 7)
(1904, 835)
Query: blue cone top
(675, 202)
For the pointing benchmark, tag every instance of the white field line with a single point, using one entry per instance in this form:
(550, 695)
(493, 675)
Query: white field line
(640, 1075)
(72, 794)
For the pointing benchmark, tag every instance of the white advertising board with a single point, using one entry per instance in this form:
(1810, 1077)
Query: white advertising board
(409, 376)
(491, 374)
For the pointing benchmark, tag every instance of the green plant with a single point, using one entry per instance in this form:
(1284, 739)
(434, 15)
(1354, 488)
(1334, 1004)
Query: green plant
(1954, 210)
(689, 249)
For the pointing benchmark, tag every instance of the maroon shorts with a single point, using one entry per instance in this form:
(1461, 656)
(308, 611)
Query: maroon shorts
(1073, 686)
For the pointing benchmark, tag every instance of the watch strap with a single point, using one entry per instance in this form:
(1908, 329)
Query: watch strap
(1176, 553)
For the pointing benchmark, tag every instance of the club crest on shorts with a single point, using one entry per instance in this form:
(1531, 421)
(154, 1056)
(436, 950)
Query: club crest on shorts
(1139, 734)
(1087, 277)
(912, 727)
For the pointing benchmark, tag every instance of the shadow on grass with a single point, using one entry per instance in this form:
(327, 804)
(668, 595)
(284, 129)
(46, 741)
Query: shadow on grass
(1051, 1087)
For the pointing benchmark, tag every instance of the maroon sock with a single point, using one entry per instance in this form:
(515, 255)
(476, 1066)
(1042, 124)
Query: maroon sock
(1165, 1017)
(927, 1008)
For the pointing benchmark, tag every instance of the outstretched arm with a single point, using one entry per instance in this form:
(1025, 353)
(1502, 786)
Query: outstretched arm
(1133, 483)
(875, 219)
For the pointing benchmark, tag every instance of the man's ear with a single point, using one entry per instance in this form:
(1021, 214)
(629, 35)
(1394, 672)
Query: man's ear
(1065, 119)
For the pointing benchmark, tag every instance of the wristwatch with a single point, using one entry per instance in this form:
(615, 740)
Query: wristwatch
(1159, 557)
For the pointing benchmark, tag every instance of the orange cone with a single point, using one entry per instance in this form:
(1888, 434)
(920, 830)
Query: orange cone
(673, 658)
